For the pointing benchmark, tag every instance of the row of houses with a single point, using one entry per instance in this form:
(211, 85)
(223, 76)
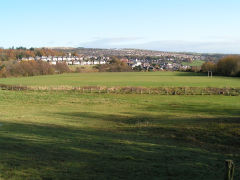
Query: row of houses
(161, 66)
(94, 60)
(70, 60)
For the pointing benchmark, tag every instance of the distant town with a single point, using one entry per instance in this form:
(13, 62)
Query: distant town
(135, 58)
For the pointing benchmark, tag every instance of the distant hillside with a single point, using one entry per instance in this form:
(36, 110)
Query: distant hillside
(141, 53)
(194, 63)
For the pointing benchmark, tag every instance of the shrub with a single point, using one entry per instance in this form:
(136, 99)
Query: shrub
(115, 65)
(229, 66)
(31, 68)
(45, 68)
(62, 68)
(208, 66)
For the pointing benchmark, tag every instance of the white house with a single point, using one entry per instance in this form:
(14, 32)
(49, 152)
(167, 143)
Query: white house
(136, 63)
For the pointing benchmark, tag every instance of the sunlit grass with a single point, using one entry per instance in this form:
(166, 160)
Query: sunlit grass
(144, 79)
(68, 135)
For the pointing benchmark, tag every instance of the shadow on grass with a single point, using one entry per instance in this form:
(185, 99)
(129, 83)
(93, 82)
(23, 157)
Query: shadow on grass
(175, 74)
(209, 132)
(195, 108)
(190, 74)
(55, 152)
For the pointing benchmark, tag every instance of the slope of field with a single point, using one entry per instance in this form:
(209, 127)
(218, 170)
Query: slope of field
(194, 63)
(67, 135)
(144, 79)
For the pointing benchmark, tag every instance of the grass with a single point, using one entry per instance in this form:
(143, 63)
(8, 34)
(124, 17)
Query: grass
(194, 63)
(72, 135)
(144, 79)
(67, 135)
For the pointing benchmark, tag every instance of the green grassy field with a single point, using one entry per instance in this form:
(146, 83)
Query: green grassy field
(72, 135)
(145, 79)
(194, 63)
(67, 135)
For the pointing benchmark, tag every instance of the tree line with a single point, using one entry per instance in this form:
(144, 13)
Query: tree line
(20, 52)
(36, 68)
(227, 66)
(31, 68)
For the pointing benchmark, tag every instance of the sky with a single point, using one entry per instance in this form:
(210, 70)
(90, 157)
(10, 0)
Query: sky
(211, 26)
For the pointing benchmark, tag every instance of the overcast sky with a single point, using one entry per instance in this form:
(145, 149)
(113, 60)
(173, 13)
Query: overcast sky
(168, 25)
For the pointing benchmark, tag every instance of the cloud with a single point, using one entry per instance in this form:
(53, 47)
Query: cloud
(112, 42)
(212, 46)
(195, 46)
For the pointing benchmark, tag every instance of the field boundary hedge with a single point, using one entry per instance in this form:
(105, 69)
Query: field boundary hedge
(131, 90)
